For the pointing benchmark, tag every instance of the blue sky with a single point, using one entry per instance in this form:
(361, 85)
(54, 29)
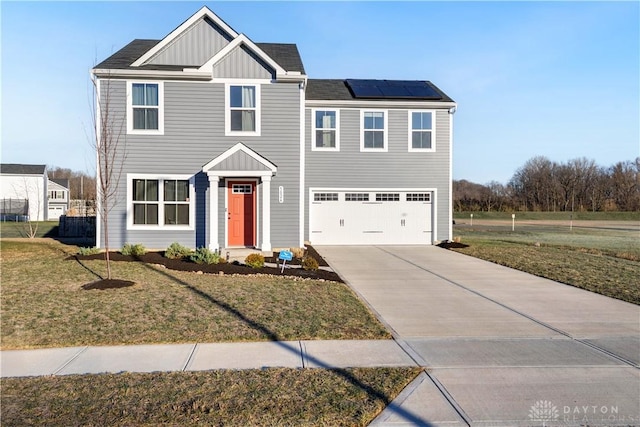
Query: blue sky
(558, 79)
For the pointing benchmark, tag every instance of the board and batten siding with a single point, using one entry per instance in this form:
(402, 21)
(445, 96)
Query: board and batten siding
(194, 47)
(241, 63)
(194, 134)
(397, 168)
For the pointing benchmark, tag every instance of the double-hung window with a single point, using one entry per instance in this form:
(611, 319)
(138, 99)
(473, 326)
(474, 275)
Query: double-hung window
(145, 112)
(421, 131)
(243, 109)
(161, 202)
(373, 131)
(325, 134)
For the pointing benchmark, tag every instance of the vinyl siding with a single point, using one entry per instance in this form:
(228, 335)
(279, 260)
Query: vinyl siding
(194, 134)
(396, 168)
(195, 47)
(241, 63)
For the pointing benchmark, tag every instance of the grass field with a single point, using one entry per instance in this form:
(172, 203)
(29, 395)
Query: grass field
(20, 229)
(43, 304)
(271, 397)
(552, 216)
(602, 257)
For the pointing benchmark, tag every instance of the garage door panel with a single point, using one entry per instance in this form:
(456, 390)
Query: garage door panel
(363, 217)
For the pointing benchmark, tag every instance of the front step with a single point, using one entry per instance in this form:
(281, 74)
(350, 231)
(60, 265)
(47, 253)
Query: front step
(239, 254)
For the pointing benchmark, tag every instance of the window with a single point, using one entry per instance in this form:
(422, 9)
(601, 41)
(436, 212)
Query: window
(145, 201)
(387, 197)
(325, 197)
(242, 189)
(418, 197)
(176, 202)
(56, 195)
(356, 197)
(421, 131)
(325, 130)
(145, 114)
(243, 112)
(373, 136)
(161, 202)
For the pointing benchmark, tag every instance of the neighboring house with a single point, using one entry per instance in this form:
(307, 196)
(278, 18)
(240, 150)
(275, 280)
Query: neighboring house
(230, 144)
(58, 196)
(23, 192)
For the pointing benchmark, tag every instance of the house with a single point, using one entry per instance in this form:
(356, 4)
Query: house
(58, 197)
(230, 144)
(27, 193)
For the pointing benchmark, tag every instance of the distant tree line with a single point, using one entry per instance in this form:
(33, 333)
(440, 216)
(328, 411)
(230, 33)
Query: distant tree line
(82, 186)
(542, 185)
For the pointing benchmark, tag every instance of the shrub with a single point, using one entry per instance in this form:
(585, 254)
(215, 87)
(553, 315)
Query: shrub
(309, 263)
(254, 260)
(205, 256)
(176, 251)
(134, 250)
(88, 251)
(298, 252)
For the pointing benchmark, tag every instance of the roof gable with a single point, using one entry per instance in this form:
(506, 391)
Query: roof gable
(194, 46)
(240, 158)
(203, 13)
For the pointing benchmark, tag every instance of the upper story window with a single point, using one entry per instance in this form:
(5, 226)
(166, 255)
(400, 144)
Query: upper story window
(56, 195)
(145, 110)
(243, 109)
(373, 132)
(325, 136)
(160, 202)
(421, 131)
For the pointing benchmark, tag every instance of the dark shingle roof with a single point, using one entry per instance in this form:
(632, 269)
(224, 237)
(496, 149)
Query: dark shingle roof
(338, 90)
(18, 169)
(286, 55)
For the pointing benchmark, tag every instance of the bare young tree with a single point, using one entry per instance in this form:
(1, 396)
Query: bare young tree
(109, 143)
(33, 196)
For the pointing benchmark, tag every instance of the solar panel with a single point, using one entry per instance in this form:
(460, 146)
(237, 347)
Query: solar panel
(392, 89)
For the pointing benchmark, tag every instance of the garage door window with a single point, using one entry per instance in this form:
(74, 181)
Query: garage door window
(356, 197)
(418, 197)
(387, 197)
(325, 197)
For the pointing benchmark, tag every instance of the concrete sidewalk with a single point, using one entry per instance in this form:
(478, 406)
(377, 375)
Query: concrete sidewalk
(503, 347)
(205, 356)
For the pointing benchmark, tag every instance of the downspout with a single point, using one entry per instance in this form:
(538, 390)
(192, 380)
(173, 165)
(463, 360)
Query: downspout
(451, 112)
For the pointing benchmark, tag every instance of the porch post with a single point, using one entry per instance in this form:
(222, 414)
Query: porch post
(266, 213)
(213, 212)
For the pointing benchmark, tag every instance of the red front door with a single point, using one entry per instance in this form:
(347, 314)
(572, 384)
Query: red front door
(241, 216)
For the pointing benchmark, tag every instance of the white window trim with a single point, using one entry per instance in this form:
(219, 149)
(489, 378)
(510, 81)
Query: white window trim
(386, 131)
(161, 225)
(433, 132)
(130, 129)
(227, 109)
(313, 130)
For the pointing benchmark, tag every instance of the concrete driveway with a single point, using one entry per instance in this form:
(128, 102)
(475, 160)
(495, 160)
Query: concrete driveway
(503, 347)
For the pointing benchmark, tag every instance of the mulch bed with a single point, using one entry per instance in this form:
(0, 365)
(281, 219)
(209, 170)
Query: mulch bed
(225, 268)
(309, 252)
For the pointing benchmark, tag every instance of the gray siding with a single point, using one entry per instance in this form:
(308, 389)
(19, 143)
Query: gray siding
(397, 168)
(240, 161)
(241, 63)
(194, 47)
(194, 134)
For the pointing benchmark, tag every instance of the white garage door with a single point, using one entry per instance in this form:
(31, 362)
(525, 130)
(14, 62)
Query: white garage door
(363, 217)
(55, 212)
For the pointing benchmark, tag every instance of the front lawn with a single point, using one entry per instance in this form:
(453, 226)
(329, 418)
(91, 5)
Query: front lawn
(43, 304)
(271, 397)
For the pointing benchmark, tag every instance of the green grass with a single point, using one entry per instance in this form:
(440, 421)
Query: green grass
(12, 229)
(555, 216)
(271, 397)
(43, 304)
(600, 260)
